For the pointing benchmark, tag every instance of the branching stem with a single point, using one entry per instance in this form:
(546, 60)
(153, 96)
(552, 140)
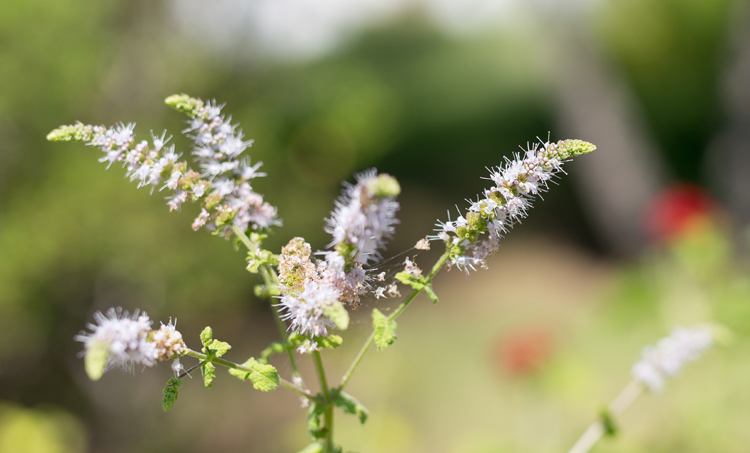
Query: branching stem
(283, 382)
(428, 280)
(327, 395)
(270, 279)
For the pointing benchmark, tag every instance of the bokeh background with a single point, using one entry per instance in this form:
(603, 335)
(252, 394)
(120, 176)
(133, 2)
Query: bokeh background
(648, 232)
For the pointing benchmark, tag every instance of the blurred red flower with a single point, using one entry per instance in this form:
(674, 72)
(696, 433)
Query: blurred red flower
(678, 209)
(523, 352)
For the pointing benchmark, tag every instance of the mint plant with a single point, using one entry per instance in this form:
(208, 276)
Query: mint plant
(311, 293)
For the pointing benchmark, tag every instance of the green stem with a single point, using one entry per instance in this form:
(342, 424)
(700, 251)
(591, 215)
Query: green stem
(283, 382)
(327, 395)
(270, 279)
(591, 436)
(365, 347)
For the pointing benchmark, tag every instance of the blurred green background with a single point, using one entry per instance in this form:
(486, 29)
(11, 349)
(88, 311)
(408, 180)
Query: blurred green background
(431, 91)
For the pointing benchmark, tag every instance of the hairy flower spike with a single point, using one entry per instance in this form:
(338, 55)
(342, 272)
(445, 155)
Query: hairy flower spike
(670, 354)
(476, 236)
(364, 216)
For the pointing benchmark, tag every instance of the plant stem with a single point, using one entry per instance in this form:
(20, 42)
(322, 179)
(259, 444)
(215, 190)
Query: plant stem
(365, 347)
(283, 382)
(595, 432)
(327, 396)
(270, 279)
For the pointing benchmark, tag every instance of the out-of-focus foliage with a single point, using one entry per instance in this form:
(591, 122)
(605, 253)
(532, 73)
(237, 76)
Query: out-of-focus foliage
(671, 52)
(40, 431)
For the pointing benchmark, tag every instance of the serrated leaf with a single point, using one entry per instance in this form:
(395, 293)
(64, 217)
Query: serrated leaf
(264, 377)
(96, 359)
(337, 314)
(273, 348)
(219, 348)
(209, 373)
(314, 423)
(316, 447)
(170, 392)
(206, 336)
(351, 406)
(385, 331)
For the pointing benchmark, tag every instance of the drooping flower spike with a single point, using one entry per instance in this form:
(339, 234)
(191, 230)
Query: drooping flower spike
(476, 236)
(222, 185)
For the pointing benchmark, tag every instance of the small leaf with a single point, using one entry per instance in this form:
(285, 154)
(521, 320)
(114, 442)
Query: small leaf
(385, 331)
(314, 424)
(337, 314)
(329, 342)
(209, 373)
(170, 393)
(219, 348)
(610, 429)
(273, 348)
(264, 377)
(316, 447)
(351, 406)
(96, 359)
(206, 336)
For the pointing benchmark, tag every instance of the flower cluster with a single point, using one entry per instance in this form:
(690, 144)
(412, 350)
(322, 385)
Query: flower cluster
(670, 354)
(122, 340)
(218, 146)
(364, 216)
(476, 237)
(222, 185)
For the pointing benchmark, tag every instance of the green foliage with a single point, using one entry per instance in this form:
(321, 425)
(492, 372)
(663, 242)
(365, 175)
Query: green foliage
(385, 331)
(206, 336)
(418, 284)
(351, 406)
(260, 257)
(273, 348)
(314, 423)
(96, 359)
(338, 314)
(296, 340)
(171, 390)
(315, 447)
(217, 348)
(608, 423)
(263, 376)
(208, 370)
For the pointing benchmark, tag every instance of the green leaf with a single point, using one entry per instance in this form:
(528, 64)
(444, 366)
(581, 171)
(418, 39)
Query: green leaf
(209, 373)
(96, 359)
(218, 348)
(329, 342)
(206, 336)
(385, 331)
(610, 429)
(316, 447)
(273, 348)
(170, 393)
(314, 423)
(264, 377)
(351, 406)
(337, 314)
